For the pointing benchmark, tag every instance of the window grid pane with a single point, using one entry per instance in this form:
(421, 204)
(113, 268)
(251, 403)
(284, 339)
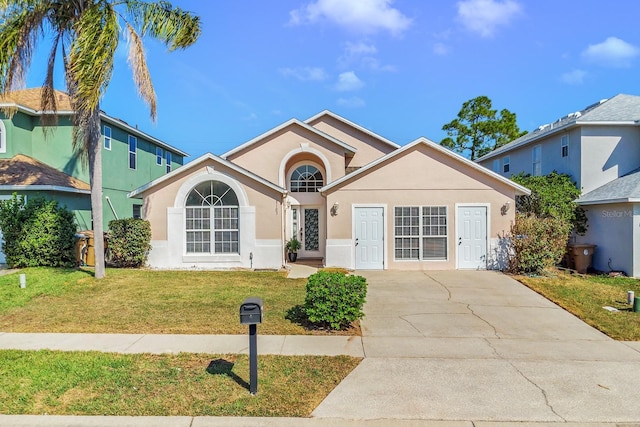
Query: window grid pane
(434, 232)
(306, 179)
(211, 225)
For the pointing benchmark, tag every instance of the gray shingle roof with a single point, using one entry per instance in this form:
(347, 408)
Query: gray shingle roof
(624, 189)
(620, 108)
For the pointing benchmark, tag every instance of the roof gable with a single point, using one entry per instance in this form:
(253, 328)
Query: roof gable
(195, 164)
(321, 114)
(292, 122)
(464, 162)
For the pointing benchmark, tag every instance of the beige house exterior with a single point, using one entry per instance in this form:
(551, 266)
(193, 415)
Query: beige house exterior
(353, 198)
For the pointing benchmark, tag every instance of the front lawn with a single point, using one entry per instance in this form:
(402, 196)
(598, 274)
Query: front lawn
(148, 301)
(92, 383)
(584, 296)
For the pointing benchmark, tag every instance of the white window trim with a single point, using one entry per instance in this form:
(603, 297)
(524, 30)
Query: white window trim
(159, 156)
(421, 235)
(564, 142)
(3, 137)
(496, 166)
(129, 152)
(168, 159)
(538, 162)
(104, 138)
(506, 161)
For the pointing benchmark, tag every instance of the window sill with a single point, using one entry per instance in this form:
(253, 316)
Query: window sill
(213, 258)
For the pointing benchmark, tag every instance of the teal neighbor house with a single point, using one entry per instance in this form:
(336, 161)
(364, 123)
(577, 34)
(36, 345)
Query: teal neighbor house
(35, 160)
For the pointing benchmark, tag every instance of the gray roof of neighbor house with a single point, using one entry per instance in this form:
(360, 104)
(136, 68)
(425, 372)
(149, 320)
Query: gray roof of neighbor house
(621, 109)
(621, 190)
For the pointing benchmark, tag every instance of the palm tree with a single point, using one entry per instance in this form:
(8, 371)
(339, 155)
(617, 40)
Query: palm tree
(85, 34)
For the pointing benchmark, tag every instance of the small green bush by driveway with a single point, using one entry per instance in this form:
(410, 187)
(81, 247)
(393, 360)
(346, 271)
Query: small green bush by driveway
(335, 299)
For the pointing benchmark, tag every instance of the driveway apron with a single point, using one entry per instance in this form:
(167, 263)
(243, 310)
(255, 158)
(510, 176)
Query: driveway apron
(478, 345)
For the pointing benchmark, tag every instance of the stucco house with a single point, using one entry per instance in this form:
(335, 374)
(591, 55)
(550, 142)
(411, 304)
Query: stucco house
(35, 162)
(599, 147)
(353, 198)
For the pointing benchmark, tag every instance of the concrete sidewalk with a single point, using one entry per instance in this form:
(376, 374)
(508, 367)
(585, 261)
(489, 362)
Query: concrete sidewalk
(289, 345)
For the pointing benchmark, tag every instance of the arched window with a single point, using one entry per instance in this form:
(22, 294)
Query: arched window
(306, 179)
(212, 200)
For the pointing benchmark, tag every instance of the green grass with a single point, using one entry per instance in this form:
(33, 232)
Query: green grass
(584, 296)
(91, 383)
(149, 301)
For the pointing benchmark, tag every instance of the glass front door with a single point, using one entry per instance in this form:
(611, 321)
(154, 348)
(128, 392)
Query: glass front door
(311, 230)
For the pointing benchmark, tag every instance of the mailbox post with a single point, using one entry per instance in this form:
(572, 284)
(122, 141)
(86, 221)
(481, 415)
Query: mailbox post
(251, 314)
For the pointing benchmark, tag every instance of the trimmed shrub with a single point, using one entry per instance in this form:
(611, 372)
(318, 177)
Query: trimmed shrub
(129, 242)
(537, 243)
(37, 233)
(335, 300)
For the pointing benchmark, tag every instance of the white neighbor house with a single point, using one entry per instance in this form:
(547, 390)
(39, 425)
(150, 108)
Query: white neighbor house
(599, 147)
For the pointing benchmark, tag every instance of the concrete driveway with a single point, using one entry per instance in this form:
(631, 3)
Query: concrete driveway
(477, 345)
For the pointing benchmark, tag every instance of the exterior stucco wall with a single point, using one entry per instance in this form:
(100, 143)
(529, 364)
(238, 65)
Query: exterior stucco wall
(420, 177)
(261, 220)
(369, 148)
(521, 159)
(608, 152)
(611, 228)
(267, 157)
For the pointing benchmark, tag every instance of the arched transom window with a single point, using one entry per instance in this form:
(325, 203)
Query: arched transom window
(306, 179)
(212, 220)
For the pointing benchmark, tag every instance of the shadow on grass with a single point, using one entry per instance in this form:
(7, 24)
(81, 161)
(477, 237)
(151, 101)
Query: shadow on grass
(297, 315)
(224, 367)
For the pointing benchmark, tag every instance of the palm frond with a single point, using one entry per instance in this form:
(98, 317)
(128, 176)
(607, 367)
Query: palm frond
(90, 58)
(19, 31)
(175, 27)
(88, 67)
(141, 75)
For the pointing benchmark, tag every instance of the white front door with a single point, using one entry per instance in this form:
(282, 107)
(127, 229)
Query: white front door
(472, 237)
(369, 233)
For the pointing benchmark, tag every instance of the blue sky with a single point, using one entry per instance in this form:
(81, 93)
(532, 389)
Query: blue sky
(400, 68)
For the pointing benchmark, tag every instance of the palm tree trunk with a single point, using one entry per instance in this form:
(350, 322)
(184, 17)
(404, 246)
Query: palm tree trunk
(95, 175)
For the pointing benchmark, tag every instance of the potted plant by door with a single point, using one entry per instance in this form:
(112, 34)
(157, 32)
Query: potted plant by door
(293, 246)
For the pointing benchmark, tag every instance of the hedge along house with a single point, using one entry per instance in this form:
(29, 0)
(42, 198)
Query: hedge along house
(33, 162)
(353, 198)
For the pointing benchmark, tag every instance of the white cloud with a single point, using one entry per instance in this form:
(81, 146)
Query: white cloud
(613, 52)
(305, 74)
(348, 81)
(361, 48)
(574, 77)
(440, 49)
(353, 102)
(363, 16)
(485, 16)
